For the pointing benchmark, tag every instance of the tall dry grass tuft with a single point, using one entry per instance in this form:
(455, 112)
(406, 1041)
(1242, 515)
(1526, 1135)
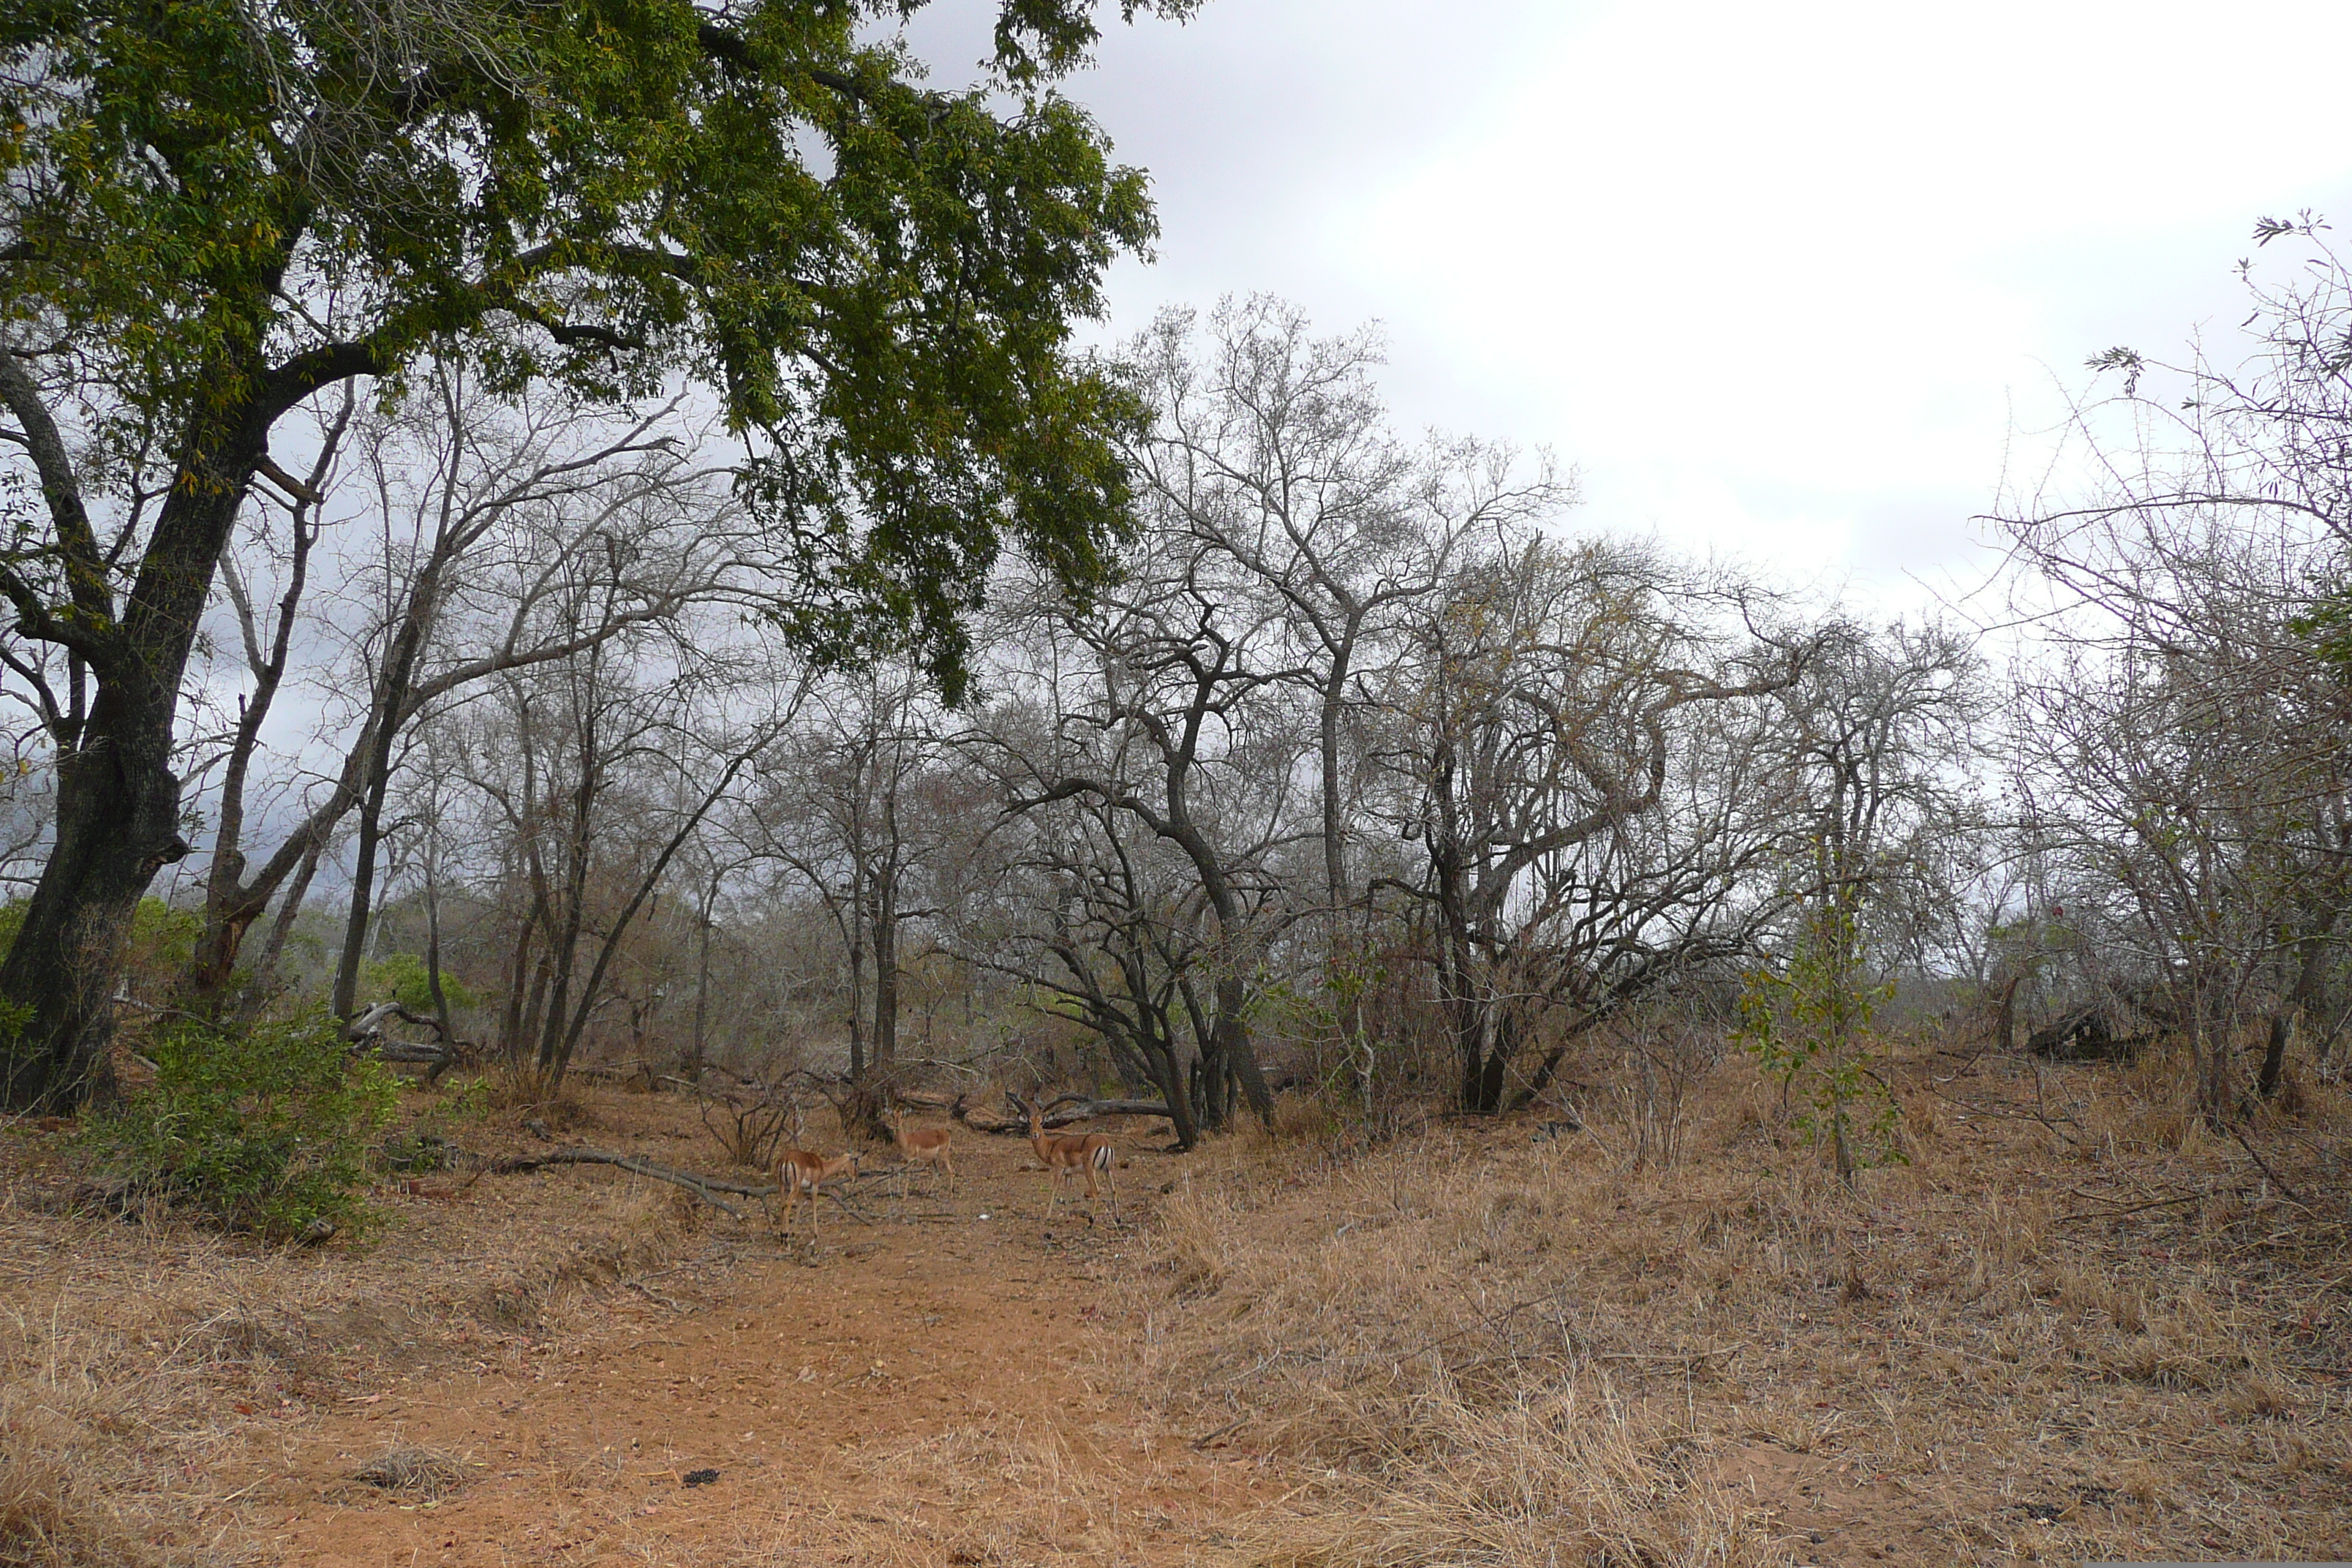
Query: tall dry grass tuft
(56, 1510)
(1541, 1481)
(521, 1093)
(1455, 1420)
(2075, 1325)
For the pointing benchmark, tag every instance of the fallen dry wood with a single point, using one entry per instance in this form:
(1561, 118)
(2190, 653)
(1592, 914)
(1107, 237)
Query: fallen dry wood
(1063, 1112)
(701, 1186)
(367, 1037)
(707, 1188)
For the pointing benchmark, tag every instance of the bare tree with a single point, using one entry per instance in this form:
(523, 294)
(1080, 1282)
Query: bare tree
(2180, 761)
(1081, 900)
(598, 770)
(844, 805)
(1586, 776)
(472, 507)
(1272, 447)
(1177, 722)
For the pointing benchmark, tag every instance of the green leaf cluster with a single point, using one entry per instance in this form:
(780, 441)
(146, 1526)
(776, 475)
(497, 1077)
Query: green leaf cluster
(2326, 626)
(262, 1128)
(218, 207)
(401, 978)
(1807, 1022)
(162, 939)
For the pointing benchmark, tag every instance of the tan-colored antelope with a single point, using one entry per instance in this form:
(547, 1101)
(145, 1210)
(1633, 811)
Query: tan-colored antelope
(799, 1172)
(922, 1146)
(1066, 1152)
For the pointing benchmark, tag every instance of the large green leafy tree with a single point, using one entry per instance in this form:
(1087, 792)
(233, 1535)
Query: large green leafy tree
(210, 210)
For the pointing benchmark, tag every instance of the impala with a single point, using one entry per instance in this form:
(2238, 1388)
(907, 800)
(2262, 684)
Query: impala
(922, 1146)
(799, 1173)
(1064, 1152)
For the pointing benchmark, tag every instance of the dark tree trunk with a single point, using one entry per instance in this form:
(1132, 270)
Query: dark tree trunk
(117, 803)
(345, 1001)
(2274, 1055)
(433, 951)
(1241, 1055)
(1158, 1048)
(1343, 962)
(555, 1039)
(1491, 1073)
(886, 975)
(407, 643)
(205, 988)
(1207, 1082)
(542, 978)
(856, 993)
(510, 1025)
(2214, 1073)
(260, 981)
(702, 983)
(232, 903)
(118, 822)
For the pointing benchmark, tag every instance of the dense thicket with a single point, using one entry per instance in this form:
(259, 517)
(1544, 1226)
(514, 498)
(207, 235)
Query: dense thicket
(1364, 767)
(215, 212)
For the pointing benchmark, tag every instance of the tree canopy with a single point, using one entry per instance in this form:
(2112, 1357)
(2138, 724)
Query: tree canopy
(218, 207)
(211, 209)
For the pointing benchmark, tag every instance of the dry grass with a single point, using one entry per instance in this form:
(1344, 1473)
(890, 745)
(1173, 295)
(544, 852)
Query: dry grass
(2077, 1325)
(135, 1354)
(421, 1472)
(56, 1510)
(521, 1092)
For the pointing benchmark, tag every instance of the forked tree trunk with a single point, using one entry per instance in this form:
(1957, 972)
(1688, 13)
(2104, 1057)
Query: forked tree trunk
(118, 801)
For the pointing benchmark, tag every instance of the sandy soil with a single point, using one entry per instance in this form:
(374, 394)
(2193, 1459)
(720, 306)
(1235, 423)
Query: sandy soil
(1469, 1344)
(913, 1390)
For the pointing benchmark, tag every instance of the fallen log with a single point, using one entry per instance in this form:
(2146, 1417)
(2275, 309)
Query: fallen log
(1072, 1108)
(707, 1188)
(701, 1186)
(1063, 1112)
(367, 1037)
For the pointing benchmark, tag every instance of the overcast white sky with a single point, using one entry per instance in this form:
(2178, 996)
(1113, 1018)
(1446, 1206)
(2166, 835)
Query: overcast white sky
(1781, 281)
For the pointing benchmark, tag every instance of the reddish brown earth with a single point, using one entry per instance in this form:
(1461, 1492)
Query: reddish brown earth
(918, 1390)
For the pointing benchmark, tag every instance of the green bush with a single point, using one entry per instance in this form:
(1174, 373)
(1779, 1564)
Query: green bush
(401, 978)
(264, 1130)
(1807, 1022)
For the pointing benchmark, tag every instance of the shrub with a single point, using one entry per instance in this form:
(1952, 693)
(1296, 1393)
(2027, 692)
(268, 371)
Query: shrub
(402, 978)
(162, 941)
(1808, 1023)
(264, 1129)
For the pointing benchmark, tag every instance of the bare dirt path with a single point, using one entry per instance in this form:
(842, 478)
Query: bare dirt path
(920, 1390)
